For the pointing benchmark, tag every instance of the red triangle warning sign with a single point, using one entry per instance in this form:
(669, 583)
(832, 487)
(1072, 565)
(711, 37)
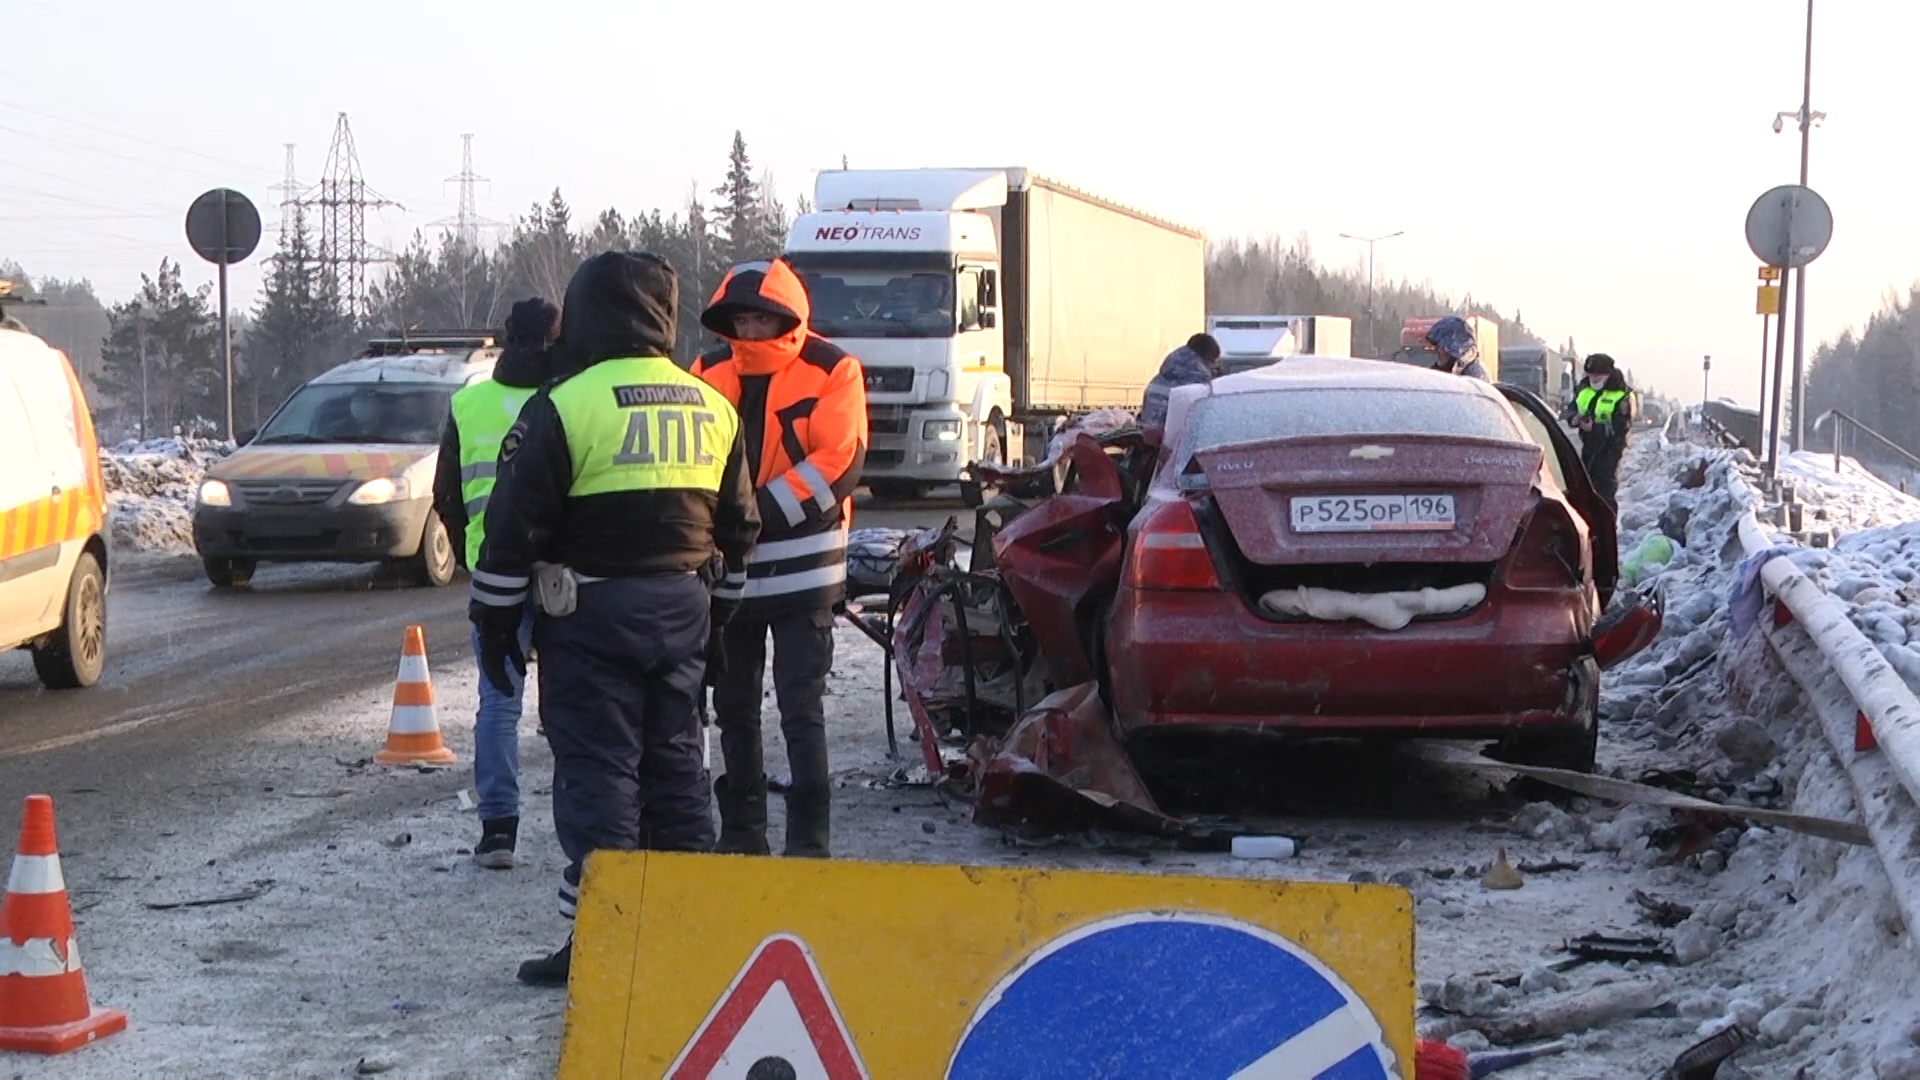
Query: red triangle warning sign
(775, 1022)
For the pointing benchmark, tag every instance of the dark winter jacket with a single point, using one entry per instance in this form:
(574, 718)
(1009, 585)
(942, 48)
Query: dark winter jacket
(519, 365)
(1182, 367)
(620, 305)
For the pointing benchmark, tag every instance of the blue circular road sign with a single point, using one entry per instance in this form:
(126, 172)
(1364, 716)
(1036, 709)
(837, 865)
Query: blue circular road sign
(1175, 997)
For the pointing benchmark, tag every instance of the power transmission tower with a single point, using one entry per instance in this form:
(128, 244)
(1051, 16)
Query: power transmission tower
(468, 223)
(343, 199)
(289, 190)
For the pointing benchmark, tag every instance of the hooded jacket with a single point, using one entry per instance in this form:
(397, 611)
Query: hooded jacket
(619, 306)
(523, 364)
(1182, 367)
(803, 414)
(1613, 434)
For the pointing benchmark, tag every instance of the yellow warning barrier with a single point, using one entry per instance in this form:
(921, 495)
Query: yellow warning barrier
(702, 967)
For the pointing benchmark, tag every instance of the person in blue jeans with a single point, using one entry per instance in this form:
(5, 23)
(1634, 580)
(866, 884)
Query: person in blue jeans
(482, 414)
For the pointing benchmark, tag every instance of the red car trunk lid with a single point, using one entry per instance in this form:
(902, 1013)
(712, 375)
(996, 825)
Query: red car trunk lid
(1345, 499)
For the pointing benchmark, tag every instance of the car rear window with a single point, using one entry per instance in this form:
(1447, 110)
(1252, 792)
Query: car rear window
(1229, 419)
(1226, 419)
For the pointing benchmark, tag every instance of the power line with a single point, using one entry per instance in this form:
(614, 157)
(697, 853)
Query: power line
(343, 198)
(128, 136)
(467, 223)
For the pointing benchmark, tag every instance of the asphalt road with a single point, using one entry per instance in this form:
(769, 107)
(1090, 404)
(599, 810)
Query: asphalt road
(189, 667)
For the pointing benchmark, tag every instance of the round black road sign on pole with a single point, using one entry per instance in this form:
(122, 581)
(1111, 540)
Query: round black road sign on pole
(224, 228)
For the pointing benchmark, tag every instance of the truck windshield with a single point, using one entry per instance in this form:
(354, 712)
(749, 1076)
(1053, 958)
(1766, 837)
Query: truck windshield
(878, 295)
(390, 412)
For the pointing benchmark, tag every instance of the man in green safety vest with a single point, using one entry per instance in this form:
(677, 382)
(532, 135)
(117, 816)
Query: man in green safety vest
(1603, 413)
(624, 496)
(462, 485)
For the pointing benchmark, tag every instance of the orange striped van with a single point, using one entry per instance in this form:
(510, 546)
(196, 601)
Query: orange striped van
(53, 516)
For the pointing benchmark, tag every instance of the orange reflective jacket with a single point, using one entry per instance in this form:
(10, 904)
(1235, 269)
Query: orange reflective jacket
(803, 415)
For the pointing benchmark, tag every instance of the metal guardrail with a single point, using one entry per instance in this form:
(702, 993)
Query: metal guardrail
(1842, 421)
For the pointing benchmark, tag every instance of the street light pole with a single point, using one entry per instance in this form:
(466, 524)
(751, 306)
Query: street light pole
(140, 334)
(1373, 345)
(1807, 118)
(1706, 380)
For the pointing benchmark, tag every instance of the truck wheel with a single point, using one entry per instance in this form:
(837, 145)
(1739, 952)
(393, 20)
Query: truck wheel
(229, 573)
(896, 490)
(72, 657)
(433, 566)
(993, 444)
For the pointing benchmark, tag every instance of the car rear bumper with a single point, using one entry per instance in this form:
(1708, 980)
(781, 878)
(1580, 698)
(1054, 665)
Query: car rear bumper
(1205, 661)
(311, 533)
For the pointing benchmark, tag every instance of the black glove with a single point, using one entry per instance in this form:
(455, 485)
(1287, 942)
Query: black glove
(499, 632)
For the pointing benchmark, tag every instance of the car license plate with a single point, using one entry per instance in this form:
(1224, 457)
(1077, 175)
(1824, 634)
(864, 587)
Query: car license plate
(1372, 513)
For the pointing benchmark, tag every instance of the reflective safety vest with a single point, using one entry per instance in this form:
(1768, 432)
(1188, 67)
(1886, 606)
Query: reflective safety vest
(482, 413)
(642, 424)
(1599, 404)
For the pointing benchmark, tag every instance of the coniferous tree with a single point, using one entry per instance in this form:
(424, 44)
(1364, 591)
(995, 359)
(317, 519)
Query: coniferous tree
(737, 208)
(182, 381)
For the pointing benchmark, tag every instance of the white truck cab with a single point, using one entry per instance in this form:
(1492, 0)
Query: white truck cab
(983, 304)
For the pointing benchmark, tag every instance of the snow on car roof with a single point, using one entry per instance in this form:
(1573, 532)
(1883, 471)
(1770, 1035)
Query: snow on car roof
(1331, 372)
(455, 367)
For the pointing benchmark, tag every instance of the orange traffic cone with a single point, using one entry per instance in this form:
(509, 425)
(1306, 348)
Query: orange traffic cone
(43, 992)
(413, 737)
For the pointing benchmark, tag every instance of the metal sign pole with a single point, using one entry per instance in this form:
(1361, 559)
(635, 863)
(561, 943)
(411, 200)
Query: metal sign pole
(1779, 376)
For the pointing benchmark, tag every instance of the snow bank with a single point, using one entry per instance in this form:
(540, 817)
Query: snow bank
(150, 490)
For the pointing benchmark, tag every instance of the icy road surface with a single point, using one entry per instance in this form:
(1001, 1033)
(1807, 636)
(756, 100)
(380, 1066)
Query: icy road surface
(355, 934)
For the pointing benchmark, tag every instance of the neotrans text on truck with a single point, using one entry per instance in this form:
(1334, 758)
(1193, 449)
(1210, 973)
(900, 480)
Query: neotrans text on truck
(984, 303)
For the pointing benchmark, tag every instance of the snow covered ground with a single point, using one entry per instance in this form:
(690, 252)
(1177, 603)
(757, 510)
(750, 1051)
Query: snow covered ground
(150, 491)
(378, 947)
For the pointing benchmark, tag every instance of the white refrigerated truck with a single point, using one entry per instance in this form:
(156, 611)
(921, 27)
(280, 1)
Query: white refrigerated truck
(1251, 341)
(986, 303)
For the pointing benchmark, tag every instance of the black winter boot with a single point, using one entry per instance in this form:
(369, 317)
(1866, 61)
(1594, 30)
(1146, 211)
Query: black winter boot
(809, 825)
(497, 841)
(549, 970)
(743, 817)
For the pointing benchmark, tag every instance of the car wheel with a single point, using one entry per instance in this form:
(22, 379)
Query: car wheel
(229, 573)
(896, 490)
(74, 655)
(433, 567)
(1576, 750)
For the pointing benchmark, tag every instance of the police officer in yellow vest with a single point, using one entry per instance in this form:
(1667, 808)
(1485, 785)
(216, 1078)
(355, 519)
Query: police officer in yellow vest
(1603, 412)
(462, 482)
(616, 488)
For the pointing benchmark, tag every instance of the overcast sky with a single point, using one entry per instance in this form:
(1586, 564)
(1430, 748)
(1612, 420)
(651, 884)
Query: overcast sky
(1588, 164)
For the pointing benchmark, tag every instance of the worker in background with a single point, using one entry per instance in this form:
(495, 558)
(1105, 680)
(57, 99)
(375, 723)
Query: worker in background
(1452, 339)
(1603, 413)
(1196, 362)
(803, 407)
(616, 487)
(462, 484)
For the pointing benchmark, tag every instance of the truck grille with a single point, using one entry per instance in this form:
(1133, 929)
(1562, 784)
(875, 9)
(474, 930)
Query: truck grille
(286, 492)
(887, 420)
(890, 380)
(886, 459)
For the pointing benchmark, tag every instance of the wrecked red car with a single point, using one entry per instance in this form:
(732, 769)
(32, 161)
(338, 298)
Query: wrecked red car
(1319, 548)
(1344, 547)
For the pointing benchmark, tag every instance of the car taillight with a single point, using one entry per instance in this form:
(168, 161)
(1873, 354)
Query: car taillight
(1547, 555)
(1169, 553)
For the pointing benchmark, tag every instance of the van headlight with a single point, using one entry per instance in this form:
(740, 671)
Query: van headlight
(941, 430)
(215, 493)
(378, 492)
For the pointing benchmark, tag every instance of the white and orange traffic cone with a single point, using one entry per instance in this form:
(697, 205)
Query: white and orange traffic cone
(413, 736)
(43, 992)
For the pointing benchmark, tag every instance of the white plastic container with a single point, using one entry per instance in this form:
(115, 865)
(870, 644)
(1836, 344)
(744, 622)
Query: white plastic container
(1264, 847)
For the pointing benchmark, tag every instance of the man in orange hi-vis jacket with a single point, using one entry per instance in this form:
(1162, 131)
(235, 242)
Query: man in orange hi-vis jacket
(803, 420)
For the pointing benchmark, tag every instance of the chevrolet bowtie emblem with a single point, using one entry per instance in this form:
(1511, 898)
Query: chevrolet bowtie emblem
(1371, 452)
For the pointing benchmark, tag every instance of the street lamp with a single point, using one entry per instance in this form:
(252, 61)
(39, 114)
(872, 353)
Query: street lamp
(1373, 346)
(1806, 118)
(1706, 380)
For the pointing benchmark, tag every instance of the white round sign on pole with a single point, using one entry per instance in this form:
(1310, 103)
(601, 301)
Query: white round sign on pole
(1789, 226)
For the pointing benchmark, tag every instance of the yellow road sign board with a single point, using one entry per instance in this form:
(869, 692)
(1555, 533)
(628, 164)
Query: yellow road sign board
(1768, 302)
(702, 967)
(1769, 273)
